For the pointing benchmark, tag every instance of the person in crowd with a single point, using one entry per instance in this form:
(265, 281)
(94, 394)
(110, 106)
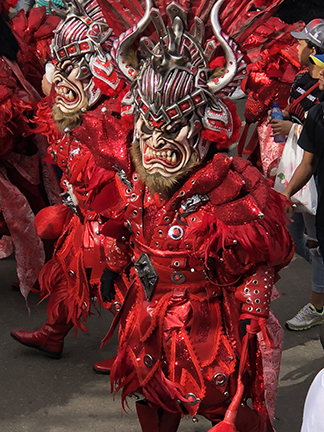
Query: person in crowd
(311, 142)
(306, 93)
(313, 414)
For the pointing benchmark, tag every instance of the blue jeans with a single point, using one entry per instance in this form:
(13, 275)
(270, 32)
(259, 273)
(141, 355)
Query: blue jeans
(304, 220)
(320, 238)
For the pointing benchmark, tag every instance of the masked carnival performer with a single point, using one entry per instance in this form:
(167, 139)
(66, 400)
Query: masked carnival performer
(206, 234)
(27, 183)
(83, 80)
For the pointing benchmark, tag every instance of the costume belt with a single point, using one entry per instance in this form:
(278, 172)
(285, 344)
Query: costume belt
(169, 271)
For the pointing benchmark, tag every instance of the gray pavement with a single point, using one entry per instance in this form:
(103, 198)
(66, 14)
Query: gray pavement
(43, 395)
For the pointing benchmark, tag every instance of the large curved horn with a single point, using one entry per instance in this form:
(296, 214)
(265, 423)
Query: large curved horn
(127, 39)
(216, 84)
(57, 11)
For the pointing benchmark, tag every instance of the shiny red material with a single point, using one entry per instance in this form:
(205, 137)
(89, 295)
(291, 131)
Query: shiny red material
(104, 367)
(49, 339)
(81, 251)
(269, 80)
(172, 346)
(26, 183)
(255, 293)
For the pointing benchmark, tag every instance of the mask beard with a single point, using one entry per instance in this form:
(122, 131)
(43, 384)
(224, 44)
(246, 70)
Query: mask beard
(166, 186)
(66, 120)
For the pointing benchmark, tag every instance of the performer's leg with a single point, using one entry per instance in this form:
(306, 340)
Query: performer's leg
(49, 339)
(155, 419)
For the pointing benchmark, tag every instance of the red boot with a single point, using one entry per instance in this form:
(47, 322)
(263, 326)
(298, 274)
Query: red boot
(156, 419)
(104, 367)
(49, 339)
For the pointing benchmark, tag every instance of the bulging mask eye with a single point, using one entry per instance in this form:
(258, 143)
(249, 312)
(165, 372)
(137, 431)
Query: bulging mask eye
(146, 129)
(175, 129)
(66, 68)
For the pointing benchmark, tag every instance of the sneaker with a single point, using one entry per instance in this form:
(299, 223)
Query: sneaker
(306, 318)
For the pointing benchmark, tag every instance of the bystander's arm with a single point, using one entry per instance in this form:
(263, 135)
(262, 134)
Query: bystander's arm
(303, 173)
(280, 127)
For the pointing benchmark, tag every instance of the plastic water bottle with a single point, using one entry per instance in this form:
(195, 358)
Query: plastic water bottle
(276, 113)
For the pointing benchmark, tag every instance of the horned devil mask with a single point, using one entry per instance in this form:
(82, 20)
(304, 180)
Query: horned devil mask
(81, 52)
(175, 95)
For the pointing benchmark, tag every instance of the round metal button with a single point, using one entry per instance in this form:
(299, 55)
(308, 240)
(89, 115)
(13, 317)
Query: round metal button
(175, 232)
(220, 379)
(116, 307)
(178, 277)
(192, 399)
(148, 360)
(72, 274)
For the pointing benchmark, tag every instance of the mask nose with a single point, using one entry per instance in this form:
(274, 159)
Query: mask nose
(157, 140)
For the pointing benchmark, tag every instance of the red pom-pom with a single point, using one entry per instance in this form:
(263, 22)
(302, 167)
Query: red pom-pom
(218, 137)
(50, 221)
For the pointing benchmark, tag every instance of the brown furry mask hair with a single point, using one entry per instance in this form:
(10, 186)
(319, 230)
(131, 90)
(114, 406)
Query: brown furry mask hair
(64, 120)
(166, 186)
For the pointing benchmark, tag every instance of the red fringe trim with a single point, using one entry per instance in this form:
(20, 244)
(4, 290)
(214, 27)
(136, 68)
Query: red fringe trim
(62, 289)
(45, 124)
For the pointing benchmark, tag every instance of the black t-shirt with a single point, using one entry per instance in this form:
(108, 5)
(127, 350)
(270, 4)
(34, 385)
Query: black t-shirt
(301, 84)
(312, 141)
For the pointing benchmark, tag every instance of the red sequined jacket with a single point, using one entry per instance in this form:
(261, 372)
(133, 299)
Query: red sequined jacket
(80, 251)
(202, 261)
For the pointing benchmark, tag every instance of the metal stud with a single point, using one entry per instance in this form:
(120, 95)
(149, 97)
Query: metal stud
(192, 399)
(220, 379)
(116, 307)
(148, 360)
(72, 274)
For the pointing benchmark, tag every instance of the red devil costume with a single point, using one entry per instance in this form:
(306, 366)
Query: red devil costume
(206, 234)
(27, 184)
(71, 278)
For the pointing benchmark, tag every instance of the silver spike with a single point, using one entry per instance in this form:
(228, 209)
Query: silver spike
(216, 84)
(126, 41)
